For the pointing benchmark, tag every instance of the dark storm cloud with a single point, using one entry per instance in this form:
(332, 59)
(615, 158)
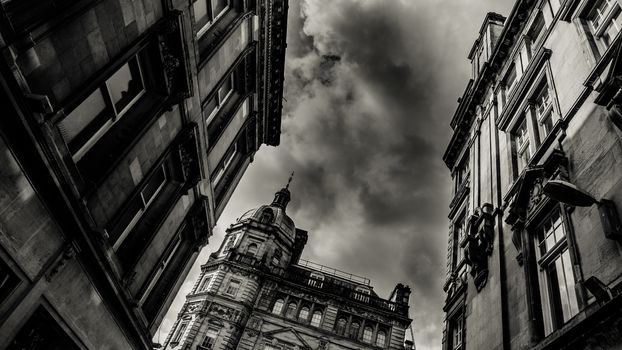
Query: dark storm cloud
(370, 88)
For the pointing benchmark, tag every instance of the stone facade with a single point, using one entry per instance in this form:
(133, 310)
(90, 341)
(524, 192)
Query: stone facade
(256, 293)
(536, 158)
(126, 126)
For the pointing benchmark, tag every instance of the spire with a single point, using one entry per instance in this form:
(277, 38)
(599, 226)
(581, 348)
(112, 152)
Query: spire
(282, 197)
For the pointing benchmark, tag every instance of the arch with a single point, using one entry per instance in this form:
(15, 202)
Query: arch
(367, 333)
(291, 310)
(381, 338)
(340, 326)
(267, 216)
(277, 308)
(303, 315)
(251, 250)
(353, 332)
(316, 319)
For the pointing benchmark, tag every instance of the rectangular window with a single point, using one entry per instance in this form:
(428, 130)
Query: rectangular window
(210, 338)
(604, 22)
(556, 276)
(92, 118)
(8, 281)
(219, 172)
(522, 147)
(460, 232)
(207, 12)
(180, 332)
(161, 267)
(457, 332)
(232, 288)
(544, 111)
(218, 100)
(536, 33)
(510, 80)
(138, 206)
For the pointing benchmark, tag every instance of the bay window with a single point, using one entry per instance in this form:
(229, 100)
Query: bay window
(556, 277)
(96, 114)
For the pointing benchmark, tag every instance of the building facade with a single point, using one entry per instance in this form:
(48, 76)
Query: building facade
(256, 293)
(126, 126)
(534, 255)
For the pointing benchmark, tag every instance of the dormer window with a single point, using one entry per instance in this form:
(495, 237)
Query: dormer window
(267, 216)
(362, 294)
(316, 280)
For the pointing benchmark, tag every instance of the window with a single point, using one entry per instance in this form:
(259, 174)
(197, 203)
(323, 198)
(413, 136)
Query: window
(8, 281)
(316, 280)
(367, 332)
(340, 326)
(510, 80)
(544, 110)
(218, 100)
(354, 330)
(276, 257)
(251, 250)
(362, 294)
(205, 283)
(233, 287)
(536, 33)
(316, 319)
(277, 308)
(304, 314)
(459, 233)
(461, 173)
(457, 332)
(604, 22)
(139, 205)
(88, 122)
(207, 12)
(557, 282)
(210, 338)
(161, 268)
(291, 310)
(180, 332)
(41, 332)
(521, 141)
(381, 338)
(220, 170)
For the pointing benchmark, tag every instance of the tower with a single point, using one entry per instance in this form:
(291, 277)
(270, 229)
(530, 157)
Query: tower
(255, 292)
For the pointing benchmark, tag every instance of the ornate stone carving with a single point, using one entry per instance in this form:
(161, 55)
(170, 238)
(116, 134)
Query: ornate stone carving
(478, 244)
(225, 312)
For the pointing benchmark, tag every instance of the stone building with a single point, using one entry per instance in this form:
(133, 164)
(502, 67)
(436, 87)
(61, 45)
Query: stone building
(125, 127)
(534, 255)
(255, 292)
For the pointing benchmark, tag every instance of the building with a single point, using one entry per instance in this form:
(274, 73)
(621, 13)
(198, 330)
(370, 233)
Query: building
(534, 255)
(255, 292)
(125, 127)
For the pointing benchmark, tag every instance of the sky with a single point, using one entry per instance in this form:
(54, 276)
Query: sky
(370, 88)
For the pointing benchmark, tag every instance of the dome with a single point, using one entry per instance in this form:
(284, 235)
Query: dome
(274, 215)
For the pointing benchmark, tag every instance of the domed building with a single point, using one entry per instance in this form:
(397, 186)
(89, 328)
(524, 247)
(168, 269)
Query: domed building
(255, 292)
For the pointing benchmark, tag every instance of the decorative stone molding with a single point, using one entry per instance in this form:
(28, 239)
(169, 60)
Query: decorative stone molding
(478, 244)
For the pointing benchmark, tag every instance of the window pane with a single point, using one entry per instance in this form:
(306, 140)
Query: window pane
(154, 185)
(340, 327)
(367, 335)
(568, 296)
(225, 89)
(278, 307)
(219, 6)
(83, 116)
(124, 85)
(201, 16)
(316, 319)
(210, 109)
(380, 338)
(304, 314)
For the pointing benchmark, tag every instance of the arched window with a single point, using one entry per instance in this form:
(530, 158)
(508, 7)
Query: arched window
(354, 330)
(381, 338)
(340, 327)
(278, 306)
(367, 334)
(267, 216)
(252, 249)
(304, 314)
(316, 319)
(205, 283)
(291, 310)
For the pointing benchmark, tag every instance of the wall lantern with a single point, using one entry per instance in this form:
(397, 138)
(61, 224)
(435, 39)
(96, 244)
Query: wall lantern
(567, 193)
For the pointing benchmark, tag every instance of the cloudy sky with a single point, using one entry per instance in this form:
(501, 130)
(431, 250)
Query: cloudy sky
(370, 88)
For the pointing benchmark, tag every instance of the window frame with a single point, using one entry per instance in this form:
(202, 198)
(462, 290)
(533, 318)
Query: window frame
(219, 100)
(205, 283)
(368, 335)
(212, 19)
(210, 344)
(230, 285)
(319, 321)
(300, 312)
(109, 115)
(382, 343)
(457, 327)
(280, 302)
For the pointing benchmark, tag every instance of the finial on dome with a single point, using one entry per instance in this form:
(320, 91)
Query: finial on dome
(289, 181)
(281, 198)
